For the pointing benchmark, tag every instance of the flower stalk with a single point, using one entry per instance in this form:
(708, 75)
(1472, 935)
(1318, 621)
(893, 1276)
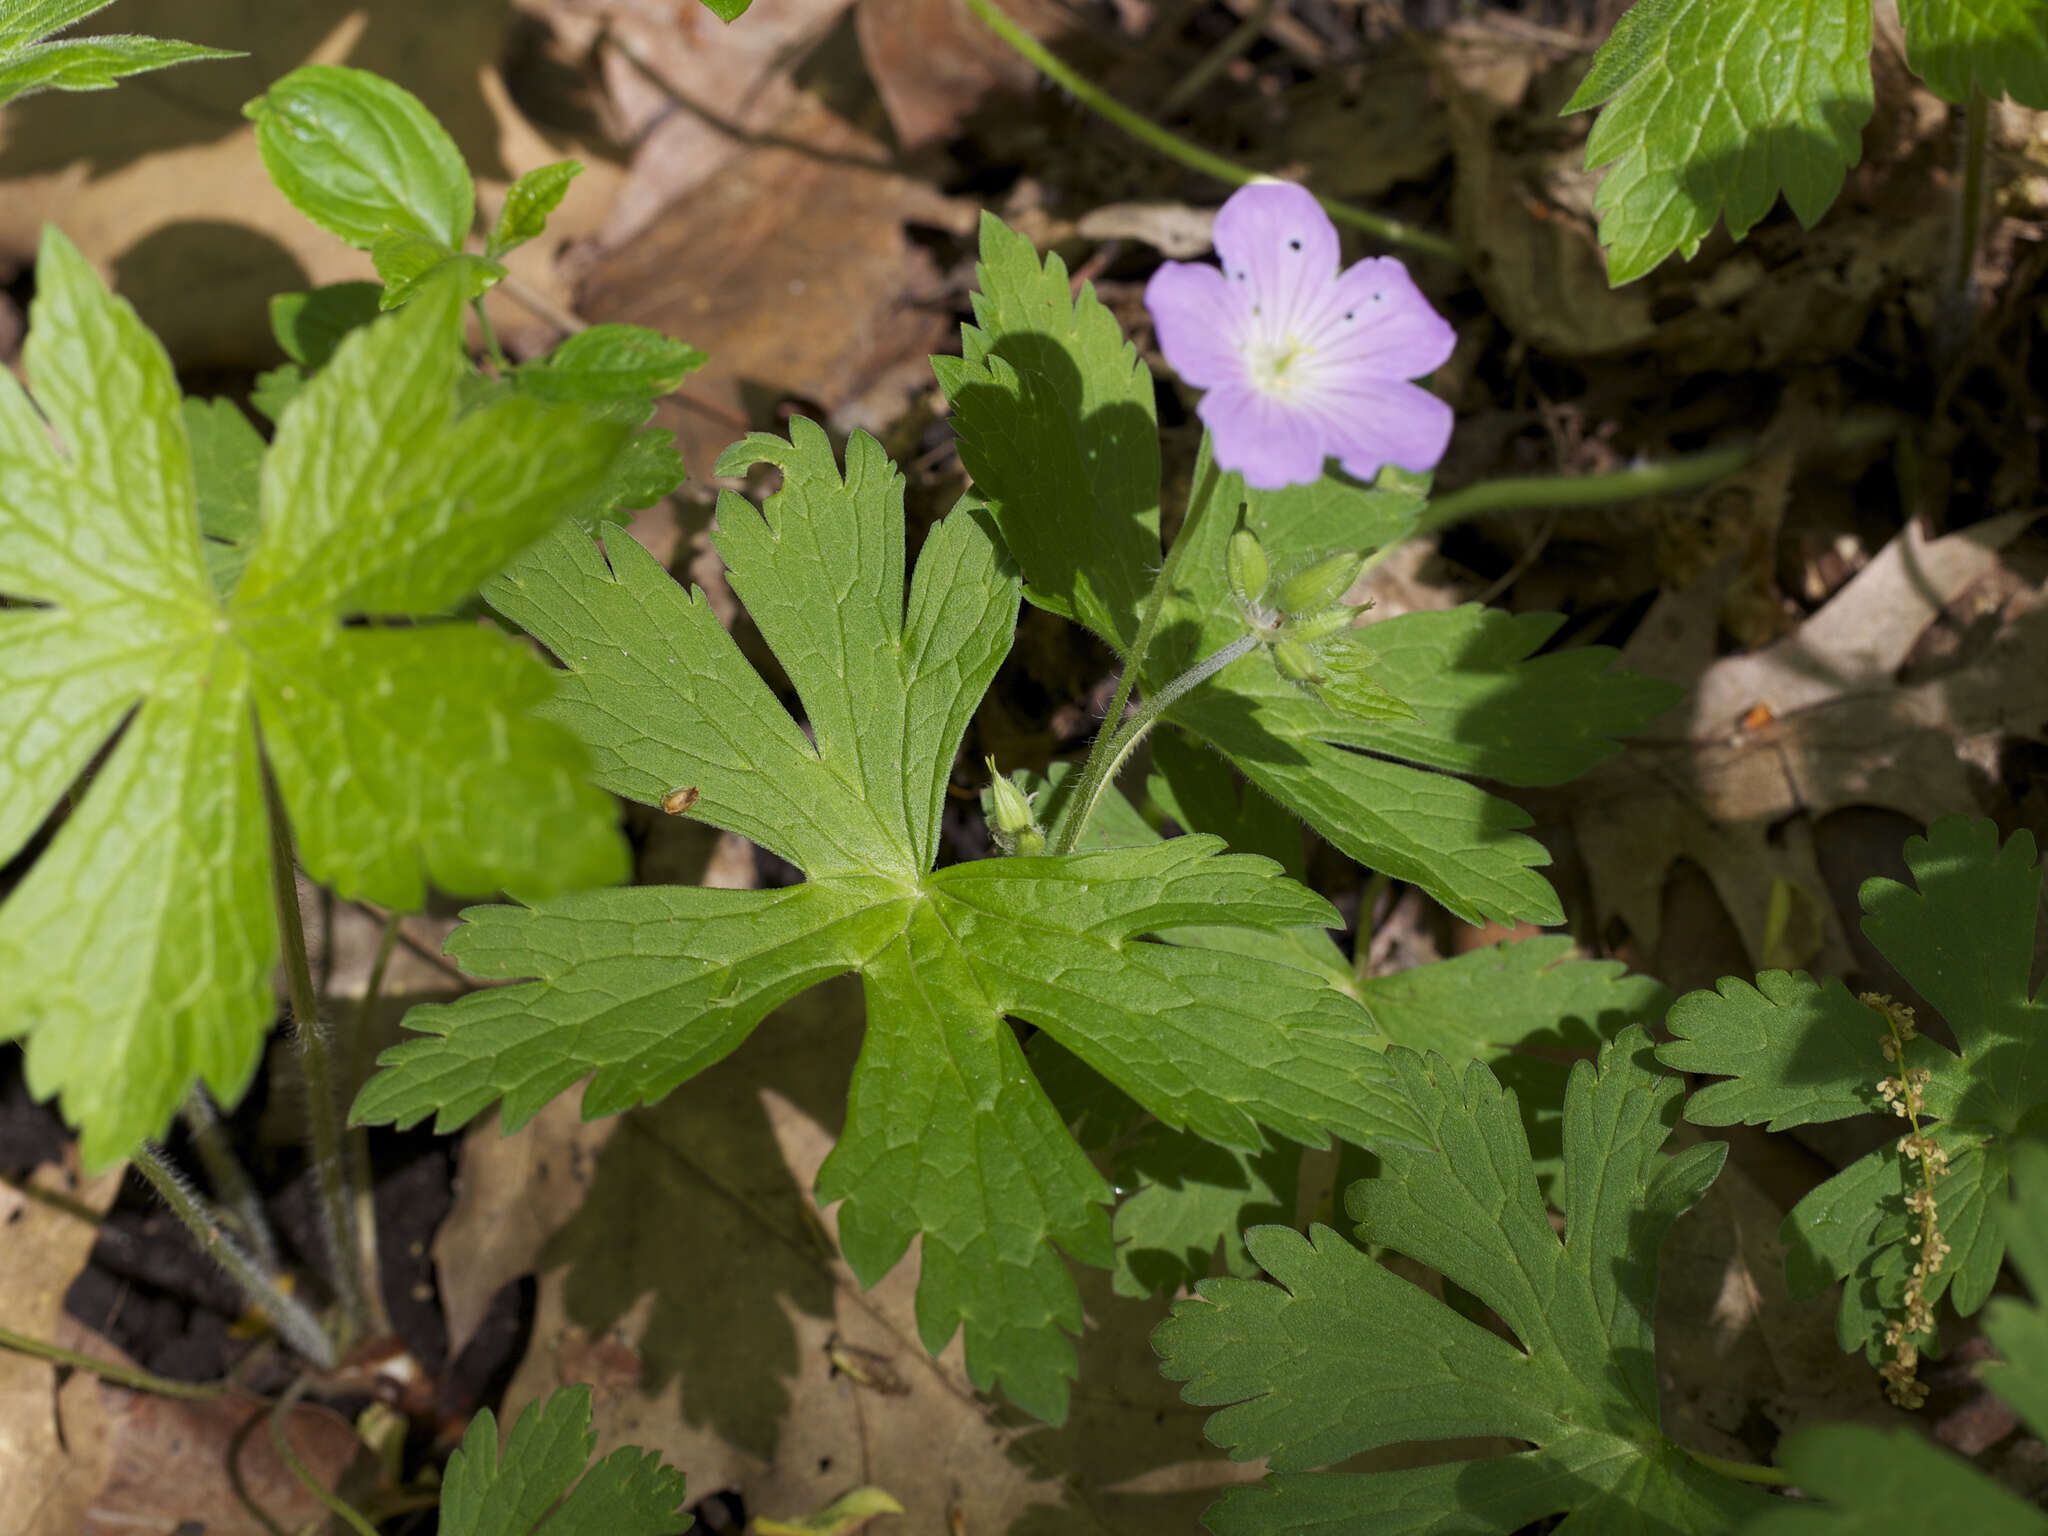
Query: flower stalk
(1921, 1155)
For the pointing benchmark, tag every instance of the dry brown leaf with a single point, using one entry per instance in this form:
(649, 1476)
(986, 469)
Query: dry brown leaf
(1741, 1362)
(170, 1467)
(793, 270)
(1767, 742)
(933, 63)
(698, 1291)
(511, 1194)
(54, 1448)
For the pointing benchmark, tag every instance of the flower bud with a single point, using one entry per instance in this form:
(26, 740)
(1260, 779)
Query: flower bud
(1249, 572)
(1320, 626)
(1010, 822)
(1297, 663)
(1318, 586)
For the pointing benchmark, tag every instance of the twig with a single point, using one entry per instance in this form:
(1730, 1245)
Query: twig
(1193, 156)
(279, 1440)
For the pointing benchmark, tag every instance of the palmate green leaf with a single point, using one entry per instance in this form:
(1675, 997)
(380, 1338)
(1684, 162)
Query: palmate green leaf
(1057, 425)
(1342, 1356)
(546, 1476)
(362, 157)
(227, 465)
(1712, 108)
(30, 62)
(1895, 1483)
(1520, 1007)
(948, 1137)
(136, 950)
(1999, 47)
(1481, 706)
(1795, 1051)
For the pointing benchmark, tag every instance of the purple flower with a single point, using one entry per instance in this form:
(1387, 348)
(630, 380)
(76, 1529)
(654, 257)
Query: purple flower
(1302, 362)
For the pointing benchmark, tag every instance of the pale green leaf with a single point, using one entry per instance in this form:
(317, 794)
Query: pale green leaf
(371, 487)
(1057, 427)
(1792, 1052)
(629, 1493)
(227, 462)
(949, 1137)
(405, 261)
(1713, 108)
(360, 156)
(94, 63)
(611, 365)
(138, 945)
(1342, 1356)
(528, 202)
(309, 326)
(1998, 47)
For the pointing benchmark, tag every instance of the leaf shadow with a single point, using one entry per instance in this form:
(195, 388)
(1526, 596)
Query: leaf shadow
(183, 277)
(693, 1213)
(1093, 480)
(437, 51)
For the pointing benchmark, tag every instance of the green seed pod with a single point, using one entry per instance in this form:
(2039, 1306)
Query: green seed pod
(1319, 626)
(1297, 663)
(1319, 585)
(1249, 572)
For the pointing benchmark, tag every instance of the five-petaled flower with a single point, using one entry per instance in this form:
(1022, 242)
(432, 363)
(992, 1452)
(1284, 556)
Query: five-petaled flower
(1302, 362)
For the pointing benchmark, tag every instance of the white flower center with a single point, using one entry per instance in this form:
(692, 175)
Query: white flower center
(1277, 365)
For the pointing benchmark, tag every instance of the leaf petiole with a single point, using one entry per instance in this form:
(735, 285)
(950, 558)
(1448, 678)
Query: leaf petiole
(316, 1067)
(1097, 774)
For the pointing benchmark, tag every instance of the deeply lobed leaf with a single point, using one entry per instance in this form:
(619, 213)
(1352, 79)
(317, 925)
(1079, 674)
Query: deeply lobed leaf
(137, 947)
(546, 1476)
(1998, 47)
(1711, 109)
(949, 1138)
(1792, 1051)
(1340, 1355)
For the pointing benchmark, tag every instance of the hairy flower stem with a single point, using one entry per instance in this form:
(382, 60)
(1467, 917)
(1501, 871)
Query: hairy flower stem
(361, 1174)
(1133, 730)
(232, 1189)
(1193, 156)
(316, 1071)
(1096, 774)
(1741, 1471)
(294, 1322)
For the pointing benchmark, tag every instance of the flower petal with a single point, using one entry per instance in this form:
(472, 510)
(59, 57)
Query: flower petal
(1374, 422)
(1379, 323)
(1269, 443)
(1281, 248)
(1197, 319)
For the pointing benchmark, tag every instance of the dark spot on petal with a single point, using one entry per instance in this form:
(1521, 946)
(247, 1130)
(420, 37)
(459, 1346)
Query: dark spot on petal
(1294, 245)
(1255, 309)
(1350, 314)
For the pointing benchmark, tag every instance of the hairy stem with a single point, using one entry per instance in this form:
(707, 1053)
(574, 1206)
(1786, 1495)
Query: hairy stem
(1531, 493)
(233, 1190)
(360, 1171)
(483, 320)
(1193, 156)
(1125, 741)
(1093, 780)
(334, 1503)
(132, 1377)
(294, 1322)
(1741, 1471)
(316, 1071)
